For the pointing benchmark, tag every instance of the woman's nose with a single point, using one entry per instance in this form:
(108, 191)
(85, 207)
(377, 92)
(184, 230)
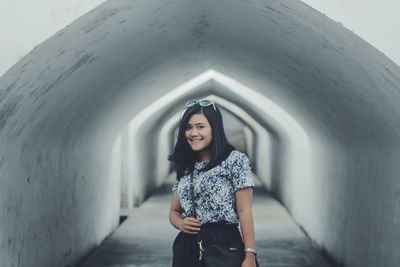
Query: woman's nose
(193, 132)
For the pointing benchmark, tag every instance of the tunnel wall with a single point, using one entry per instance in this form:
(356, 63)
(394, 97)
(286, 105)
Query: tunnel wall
(371, 20)
(63, 106)
(35, 22)
(358, 217)
(58, 200)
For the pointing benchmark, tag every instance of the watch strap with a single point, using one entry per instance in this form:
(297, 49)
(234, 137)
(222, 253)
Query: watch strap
(252, 250)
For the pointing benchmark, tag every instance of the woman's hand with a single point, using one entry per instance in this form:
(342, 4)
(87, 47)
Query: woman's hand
(190, 225)
(249, 260)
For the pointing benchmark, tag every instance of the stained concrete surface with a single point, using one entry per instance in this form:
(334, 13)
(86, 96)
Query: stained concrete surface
(63, 105)
(145, 238)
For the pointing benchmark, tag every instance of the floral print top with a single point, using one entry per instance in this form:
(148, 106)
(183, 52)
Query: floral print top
(214, 190)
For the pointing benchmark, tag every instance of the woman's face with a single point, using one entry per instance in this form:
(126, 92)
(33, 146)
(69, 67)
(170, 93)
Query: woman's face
(198, 132)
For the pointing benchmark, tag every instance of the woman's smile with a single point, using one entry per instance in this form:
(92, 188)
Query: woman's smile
(195, 142)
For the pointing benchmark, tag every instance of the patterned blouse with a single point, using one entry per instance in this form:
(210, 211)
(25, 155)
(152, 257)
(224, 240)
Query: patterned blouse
(214, 190)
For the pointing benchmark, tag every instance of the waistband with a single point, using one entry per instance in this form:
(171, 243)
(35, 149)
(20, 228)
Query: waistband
(220, 224)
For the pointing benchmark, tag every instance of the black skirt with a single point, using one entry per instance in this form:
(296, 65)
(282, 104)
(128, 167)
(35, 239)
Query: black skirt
(185, 249)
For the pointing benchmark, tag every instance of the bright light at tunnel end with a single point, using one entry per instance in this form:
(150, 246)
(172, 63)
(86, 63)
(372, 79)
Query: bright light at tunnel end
(297, 161)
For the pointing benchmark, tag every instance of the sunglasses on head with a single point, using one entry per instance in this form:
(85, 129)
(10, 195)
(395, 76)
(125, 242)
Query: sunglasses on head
(201, 102)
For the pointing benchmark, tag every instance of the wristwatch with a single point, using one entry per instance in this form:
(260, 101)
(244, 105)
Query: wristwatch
(252, 250)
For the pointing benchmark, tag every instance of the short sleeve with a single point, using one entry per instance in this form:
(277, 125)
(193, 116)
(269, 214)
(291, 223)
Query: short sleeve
(242, 175)
(175, 186)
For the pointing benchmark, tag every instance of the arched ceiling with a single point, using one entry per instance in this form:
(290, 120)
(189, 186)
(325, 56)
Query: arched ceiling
(123, 55)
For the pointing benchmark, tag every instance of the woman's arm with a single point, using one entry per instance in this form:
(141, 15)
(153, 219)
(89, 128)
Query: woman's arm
(175, 212)
(244, 208)
(187, 225)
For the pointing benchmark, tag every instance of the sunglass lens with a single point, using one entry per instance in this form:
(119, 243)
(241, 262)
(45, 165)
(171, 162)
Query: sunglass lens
(205, 102)
(191, 103)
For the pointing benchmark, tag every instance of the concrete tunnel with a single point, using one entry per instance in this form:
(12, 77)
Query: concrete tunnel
(88, 118)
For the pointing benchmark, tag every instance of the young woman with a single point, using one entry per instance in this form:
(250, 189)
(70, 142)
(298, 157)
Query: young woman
(222, 188)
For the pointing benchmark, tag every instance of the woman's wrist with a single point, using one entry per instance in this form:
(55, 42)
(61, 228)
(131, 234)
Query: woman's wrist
(249, 255)
(176, 220)
(179, 223)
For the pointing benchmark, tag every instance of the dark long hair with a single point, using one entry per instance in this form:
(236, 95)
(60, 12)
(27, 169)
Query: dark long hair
(184, 157)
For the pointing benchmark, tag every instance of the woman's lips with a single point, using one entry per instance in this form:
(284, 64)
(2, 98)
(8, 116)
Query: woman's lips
(195, 140)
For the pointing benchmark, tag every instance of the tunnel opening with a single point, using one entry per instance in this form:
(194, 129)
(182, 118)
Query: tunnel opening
(277, 120)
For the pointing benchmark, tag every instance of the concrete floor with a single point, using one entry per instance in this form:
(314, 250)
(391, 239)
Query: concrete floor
(145, 238)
